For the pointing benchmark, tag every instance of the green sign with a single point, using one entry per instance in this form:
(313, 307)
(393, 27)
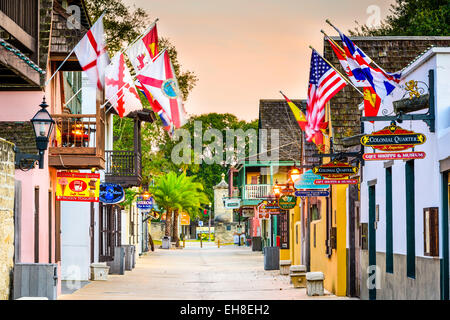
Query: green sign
(287, 202)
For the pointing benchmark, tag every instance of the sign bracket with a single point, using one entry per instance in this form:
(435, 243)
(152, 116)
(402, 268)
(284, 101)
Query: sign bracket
(428, 118)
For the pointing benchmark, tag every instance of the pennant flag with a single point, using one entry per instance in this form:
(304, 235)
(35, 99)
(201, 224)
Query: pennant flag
(144, 50)
(159, 79)
(92, 55)
(382, 82)
(324, 83)
(372, 102)
(298, 114)
(120, 90)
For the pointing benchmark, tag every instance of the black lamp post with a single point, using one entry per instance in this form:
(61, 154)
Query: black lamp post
(42, 125)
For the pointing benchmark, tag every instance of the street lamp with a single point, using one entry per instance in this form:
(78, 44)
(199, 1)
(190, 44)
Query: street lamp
(276, 189)
(294, 174)
(42, 125)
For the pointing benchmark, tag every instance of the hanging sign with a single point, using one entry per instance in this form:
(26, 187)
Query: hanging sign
(154, 215)
(77, 186)
(287, 202)
(335, 170)
(393, 138)
(312, 193)
(185, 219)
(144, 204)
(337, 181)
(248, 212)
(394, 156)
(232, 203)
(306, 181)
(111, 193)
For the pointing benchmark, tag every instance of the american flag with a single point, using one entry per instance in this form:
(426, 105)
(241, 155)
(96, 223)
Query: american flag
(324, 83)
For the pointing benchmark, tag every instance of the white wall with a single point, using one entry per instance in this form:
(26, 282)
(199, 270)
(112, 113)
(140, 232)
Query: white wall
(426, 171)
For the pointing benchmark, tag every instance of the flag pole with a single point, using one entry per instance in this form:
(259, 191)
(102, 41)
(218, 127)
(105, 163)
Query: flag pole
(376, 64)
(68, 56)
(334, 42)
(346, 80)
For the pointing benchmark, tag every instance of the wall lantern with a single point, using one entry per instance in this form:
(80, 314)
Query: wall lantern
(42, 125)
(276, 189)
(294, 174)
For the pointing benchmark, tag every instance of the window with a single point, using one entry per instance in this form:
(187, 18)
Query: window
(410, 225)
(315, 211)
(431, 231)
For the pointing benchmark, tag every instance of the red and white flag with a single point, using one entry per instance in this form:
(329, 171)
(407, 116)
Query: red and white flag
(92, 55)
(144, 50)
(160, 80)
(120, 90)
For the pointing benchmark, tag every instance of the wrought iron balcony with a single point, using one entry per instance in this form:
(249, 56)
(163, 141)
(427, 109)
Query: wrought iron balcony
(123, 167)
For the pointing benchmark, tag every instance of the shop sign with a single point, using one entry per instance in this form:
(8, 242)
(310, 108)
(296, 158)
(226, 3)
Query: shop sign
(338, 181)
(248, 212)
(111, 193)
(312, 193)
(394, 156)
(77, 186)
(335, 170)
(306, 181)
(393, 138)
(144, 204)
(287, 202)
(185, 219)
(154, 215)
(232, 203)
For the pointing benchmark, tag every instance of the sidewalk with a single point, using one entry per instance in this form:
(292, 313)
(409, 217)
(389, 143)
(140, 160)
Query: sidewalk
(229, 273)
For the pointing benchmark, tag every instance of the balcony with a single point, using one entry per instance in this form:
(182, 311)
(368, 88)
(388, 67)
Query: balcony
(257, 191)
(79, 142)
(123, 167)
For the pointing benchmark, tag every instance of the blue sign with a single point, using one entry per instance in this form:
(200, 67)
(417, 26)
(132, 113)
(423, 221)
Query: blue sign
(144, 204)
(312, 193)
(306, 181)
(111, 193)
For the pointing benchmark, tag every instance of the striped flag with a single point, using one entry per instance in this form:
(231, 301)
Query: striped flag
(298, 113)
(324, 83)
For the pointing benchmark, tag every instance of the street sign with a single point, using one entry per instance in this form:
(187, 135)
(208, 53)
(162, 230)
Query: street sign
(232, 203)
(77, 186)
(200, 223)
(337, 181)
(393, 156)
(144, 204)
(287, 202)
(306, 181)
(335, 170)
(185, 219)
(111, 193)
(312, 193)
(393, 138)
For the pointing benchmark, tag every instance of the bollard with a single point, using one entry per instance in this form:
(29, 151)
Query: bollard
(218, 243)
(201, 243)
(184, 243)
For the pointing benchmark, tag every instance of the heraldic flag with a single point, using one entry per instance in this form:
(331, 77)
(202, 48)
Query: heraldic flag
(144, 50)
(298, 114)
(92, 55)
(159, 79)
(120, 90)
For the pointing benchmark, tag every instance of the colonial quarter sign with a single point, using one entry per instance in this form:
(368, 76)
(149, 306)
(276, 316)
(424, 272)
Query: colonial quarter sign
(393, 138)
(335, 170)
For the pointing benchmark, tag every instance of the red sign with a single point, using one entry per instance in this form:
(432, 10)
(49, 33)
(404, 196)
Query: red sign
(336, 181)
(393, 138)
(394, 156)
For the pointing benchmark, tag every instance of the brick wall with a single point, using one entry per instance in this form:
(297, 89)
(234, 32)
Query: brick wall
(6, 217)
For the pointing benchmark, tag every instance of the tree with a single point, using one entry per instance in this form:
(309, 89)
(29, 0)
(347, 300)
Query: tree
(412, 18)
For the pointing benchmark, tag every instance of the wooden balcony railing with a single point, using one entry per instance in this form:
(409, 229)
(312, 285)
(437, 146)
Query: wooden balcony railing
(79, 141)
(257, 191)
(123, 167)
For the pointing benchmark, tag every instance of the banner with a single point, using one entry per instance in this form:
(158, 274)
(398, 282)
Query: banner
(185, 220)
(76, 186)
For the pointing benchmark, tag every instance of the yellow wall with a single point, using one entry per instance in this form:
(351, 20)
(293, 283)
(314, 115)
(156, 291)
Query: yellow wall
(333, 267)
(295, 236)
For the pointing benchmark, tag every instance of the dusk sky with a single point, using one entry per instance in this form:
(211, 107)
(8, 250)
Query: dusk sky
(246, 50)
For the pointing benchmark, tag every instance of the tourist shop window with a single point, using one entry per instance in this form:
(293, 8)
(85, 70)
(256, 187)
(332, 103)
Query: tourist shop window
(431, 231)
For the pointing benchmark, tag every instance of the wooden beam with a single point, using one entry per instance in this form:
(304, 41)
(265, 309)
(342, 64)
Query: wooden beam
(21, 68)
(71, 162)
(17, 32)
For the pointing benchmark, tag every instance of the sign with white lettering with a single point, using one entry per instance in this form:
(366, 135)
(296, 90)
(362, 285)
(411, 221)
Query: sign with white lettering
(393, 156)
(335, 170)
(306, 181)
(312, 193)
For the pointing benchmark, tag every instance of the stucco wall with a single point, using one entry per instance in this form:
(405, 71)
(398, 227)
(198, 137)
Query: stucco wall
(6, 217)
(157, 230)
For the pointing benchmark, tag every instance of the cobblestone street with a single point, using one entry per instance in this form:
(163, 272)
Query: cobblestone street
(228, 273)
